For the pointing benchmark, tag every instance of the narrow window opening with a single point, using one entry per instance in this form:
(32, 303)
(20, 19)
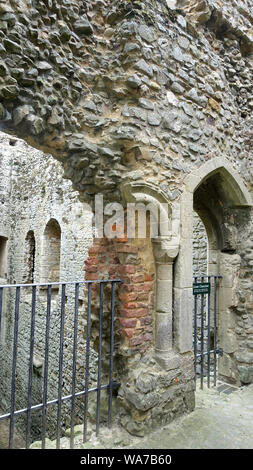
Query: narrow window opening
(3, 257)
(29, 261)
(51, 253)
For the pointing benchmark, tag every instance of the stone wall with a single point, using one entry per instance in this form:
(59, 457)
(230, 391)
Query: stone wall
(149, 93)
(5, 190)
(117, 61)
(33, 194)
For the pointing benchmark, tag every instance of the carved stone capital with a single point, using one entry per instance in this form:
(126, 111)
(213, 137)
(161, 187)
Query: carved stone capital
(165, 250)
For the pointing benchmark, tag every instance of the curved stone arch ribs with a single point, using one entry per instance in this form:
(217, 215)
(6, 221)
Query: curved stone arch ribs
(165, 250)
(239, 192)
(232, 194)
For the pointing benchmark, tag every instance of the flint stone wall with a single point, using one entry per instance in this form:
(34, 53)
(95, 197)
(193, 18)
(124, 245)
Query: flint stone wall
(119, 87)
(124, 91)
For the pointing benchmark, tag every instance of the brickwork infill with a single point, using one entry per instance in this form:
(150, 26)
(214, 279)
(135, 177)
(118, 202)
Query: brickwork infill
(121, 259)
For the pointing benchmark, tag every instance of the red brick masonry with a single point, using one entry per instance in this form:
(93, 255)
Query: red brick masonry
(122, 259)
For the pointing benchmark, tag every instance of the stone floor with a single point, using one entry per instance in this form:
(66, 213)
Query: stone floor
(222, 419)
(219, 421)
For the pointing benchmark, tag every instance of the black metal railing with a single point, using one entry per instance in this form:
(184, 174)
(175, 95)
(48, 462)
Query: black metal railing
(205, 341)
(59, 314)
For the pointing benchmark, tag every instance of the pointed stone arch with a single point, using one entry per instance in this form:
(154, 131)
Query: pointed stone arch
(214, 190)
(238, 193)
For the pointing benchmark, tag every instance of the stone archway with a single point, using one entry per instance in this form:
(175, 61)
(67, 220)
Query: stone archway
(83, 84)
(165, 248)
(218, 194)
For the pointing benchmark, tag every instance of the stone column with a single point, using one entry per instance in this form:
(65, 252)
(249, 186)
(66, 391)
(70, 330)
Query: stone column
(164, 255)
(183, 298)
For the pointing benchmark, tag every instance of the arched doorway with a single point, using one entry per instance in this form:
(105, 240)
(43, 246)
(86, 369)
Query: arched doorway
(220, 198)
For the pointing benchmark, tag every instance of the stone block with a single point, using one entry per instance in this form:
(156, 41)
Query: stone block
(227, 367)
(227, 341)
(227, 298)
(164, 272)
(168, 360)
(164, 296)
(82, 26)
(245, 374)
(163, 331)
(183, 318)
(183, 271)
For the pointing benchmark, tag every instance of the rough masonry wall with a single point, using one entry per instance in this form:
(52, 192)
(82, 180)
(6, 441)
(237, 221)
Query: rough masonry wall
(143, 89)
(5, 189)
(37, 194)
(240, 320)
(126, 91)
(34, 192)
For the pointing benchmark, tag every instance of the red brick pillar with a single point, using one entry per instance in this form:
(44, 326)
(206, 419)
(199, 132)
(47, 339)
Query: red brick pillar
(124, 259)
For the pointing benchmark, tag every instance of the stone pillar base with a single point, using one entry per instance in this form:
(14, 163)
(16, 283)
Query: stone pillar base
(168, 360)
(151, 395)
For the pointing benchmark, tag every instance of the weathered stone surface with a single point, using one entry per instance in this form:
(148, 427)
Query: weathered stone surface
(3, 69)
(43, 66)
(143, 67)
(246, 374)
(2, 111)
(134, 81)
(146, 33)
(12, 46)
(33, 192)
(108, 83)
(171, 121)
(83, 26)
(21, 112)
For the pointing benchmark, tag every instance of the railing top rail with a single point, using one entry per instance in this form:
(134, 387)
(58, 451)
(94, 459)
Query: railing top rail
(39, 284)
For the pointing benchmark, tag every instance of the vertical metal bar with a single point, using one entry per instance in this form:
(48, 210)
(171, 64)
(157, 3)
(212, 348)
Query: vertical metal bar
(1, 308)
(72, 421)
(195, 332)
(44, 409)
(87, 364)
(208, 336)
(202, 341)
(215, 329)
(101, 298)
(60, 367)
(14, 366)
(111, 355)
(28, 426)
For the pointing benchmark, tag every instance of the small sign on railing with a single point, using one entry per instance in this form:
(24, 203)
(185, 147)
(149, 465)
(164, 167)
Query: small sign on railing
(201, 288)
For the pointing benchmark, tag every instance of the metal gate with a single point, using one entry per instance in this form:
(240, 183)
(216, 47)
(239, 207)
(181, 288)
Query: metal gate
(56, 320)
(205, 319)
